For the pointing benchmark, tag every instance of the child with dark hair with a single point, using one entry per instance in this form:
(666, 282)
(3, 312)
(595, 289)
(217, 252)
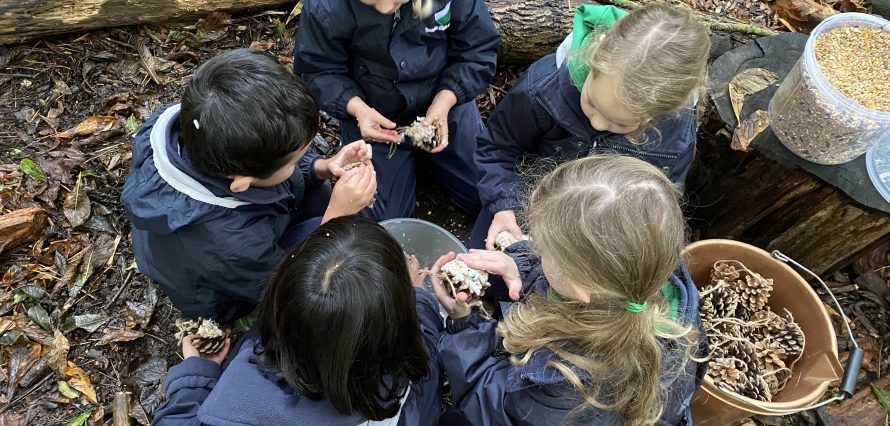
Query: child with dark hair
(344, 336)
(223, 183)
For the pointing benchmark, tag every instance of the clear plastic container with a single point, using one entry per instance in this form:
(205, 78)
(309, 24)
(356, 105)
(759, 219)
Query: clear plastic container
(815, 120)
(877, 162)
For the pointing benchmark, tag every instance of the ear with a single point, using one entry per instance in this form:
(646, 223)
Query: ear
(240, 183)
(580, 294)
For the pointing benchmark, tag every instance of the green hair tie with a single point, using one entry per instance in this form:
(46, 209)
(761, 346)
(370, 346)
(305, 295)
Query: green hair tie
(635, 307)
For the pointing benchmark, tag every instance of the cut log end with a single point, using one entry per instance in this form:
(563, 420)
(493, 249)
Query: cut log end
(19, 226)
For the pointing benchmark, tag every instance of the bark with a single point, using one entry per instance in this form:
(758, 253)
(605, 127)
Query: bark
(752, 198)
(529, 29)
(19, 226)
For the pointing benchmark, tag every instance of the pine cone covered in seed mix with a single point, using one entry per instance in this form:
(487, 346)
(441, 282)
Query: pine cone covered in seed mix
(463, 279)
(209, 338)
(791, 339)
(770, 355)
(727, 370)
(727, 270)
(754, 291)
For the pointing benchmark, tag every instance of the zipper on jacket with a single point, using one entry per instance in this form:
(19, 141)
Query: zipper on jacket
(541, 103)
(640, 151)
(395, 21)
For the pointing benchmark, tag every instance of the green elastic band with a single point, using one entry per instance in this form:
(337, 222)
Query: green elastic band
(635, 307)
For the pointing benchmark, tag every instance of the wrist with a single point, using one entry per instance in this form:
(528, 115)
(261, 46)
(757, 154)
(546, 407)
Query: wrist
(446, 98)
(357, 107)
(322, 168)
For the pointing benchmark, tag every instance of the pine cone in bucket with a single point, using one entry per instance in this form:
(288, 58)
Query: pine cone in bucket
(728, 370)
(757, 388)
(754, 291)
(719, 302)
(744, 351)
(727, 270)
(770, 355)
(209, 338)
(791, 339)
(463, 279)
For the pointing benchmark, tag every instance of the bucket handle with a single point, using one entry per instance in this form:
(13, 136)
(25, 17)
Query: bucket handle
(851, 369)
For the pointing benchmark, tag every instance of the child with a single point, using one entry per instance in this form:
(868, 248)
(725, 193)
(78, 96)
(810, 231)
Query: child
(608, 330)
(379, 64)
(221, 184)
(339, 342)
(630, 91)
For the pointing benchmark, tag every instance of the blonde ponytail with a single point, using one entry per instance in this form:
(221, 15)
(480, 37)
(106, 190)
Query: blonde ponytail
(611, 226)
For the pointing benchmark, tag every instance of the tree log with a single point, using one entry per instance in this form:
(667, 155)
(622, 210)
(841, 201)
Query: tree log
(529, 29)
(19, 226)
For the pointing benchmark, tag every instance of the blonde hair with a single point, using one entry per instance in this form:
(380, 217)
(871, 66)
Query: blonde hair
(422, 8)
(660, 52)
(613, 227)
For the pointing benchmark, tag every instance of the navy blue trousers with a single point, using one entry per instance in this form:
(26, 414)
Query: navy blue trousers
(453, 168)
(308, 216)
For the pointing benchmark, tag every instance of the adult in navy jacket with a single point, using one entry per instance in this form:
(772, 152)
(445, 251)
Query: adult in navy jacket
(355, 330)
(376, 64)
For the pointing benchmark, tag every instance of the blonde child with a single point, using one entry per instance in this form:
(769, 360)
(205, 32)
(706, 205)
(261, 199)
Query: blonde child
(622, 85)
(609, 328)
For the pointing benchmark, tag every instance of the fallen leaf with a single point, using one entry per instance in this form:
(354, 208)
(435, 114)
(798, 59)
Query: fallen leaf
(298, 8)
(122, 335)
(77, 205)
(78, 379)
(89, 322)
(66, 390)
(139, 313)
(81, 419)
(748, 82)
(31, 168)
(12, 419)
(58, 353)
(212, 28)
(132, 124)
(98, 415)
(152, 371)
(882, 396)
(809, 12)
(40, 316)
(138, 414)
(753, 125)
(90, 126)
(261, 45)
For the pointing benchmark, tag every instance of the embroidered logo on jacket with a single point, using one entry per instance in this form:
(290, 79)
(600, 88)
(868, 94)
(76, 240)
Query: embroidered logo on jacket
(443, 19)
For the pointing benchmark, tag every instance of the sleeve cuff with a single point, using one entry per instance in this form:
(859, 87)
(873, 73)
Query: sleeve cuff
(342, 101)
(502, 204)
(195, 366)
(459, 92)
(312, 174)
(453, 326)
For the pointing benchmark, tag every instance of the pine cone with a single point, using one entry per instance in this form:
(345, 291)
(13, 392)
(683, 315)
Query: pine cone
(776, 380)
(754, 291)
(770, 355)
(208, 340)
(727, 370)
(757, 388)
(745, 352)
(727, 270)
(719, 303)
(791, 339)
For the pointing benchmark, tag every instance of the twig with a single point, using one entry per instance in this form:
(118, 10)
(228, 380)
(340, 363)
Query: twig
(845, 289)
(27, 392)
(121, 290)
(713, 23)
(121, 409)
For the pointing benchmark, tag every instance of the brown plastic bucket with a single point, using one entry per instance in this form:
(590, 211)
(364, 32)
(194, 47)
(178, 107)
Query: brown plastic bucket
(817, 367)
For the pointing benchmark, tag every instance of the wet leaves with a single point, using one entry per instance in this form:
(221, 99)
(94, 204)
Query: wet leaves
(79, 380)
(882, 396)
(66, 390)
(120, 335)
(77, 204)
(752, 126)
(88, 322)
(81, 419)
(90, 126)
(30, 168)
(58, 354)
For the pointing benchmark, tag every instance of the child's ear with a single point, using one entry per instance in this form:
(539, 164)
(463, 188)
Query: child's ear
(240, 183)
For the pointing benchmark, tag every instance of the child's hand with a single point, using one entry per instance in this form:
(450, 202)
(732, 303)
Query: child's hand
(352, 192)
(504, 220)
(355, 152)
(376, 127)
(188, 350)
(414, 271)
(456, 308)
(437, 115)
(498, 263)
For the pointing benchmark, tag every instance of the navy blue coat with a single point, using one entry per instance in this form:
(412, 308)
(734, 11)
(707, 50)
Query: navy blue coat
(541, 117)
(200, 392)
(395, 63)
(488, 390)
(208, 248)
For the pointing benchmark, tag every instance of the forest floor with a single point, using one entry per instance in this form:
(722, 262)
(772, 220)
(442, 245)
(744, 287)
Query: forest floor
(78, 322)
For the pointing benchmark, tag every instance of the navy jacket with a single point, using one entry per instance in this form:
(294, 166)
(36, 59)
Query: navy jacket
(208, 248)
(199, 392)
(541, 117)
(395, 63)
(488, 390)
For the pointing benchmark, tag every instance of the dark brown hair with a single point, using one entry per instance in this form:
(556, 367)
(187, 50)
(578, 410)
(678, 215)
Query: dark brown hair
(338, 321)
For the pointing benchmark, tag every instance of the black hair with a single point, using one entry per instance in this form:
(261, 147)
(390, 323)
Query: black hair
(338, 320)
(251, 112)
